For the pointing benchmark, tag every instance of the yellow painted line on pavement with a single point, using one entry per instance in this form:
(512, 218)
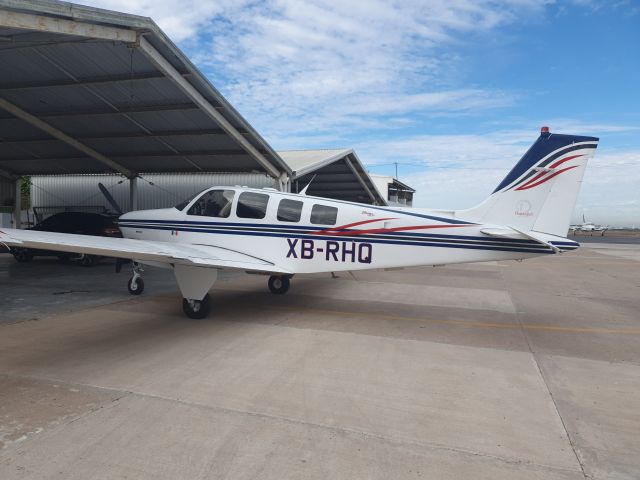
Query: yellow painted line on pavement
(462, 323)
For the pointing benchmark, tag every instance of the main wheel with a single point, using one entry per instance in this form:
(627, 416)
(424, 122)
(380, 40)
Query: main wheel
(279, 285)
(135, 286)
(196, 308)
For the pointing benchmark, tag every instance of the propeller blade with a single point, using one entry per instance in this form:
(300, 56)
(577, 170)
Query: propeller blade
(110, 199)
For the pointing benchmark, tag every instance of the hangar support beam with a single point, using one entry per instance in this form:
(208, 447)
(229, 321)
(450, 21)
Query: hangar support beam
(28, 21)
(133, 194)
(169, 70)
(349, 163)
(54, 132)
(73, 82)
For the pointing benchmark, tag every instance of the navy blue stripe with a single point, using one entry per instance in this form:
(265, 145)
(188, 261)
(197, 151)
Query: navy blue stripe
(549, 160)
(540, 249)
(285, 228)
(391, 235)
(192, 222)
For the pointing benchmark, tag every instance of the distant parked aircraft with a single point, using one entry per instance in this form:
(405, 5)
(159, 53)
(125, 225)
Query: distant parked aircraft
(281, 234)
(586, 226)
(589, 227)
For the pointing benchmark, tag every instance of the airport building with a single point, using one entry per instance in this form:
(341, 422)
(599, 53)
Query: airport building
(395, 192)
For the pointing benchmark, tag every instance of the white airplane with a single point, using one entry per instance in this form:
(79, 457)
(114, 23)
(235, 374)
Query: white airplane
(282, 234)
(586, 226)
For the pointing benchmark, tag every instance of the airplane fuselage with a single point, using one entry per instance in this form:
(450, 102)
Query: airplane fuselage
(306, 234)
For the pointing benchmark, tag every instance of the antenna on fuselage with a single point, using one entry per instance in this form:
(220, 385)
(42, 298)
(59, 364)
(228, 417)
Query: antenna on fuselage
(304, 190)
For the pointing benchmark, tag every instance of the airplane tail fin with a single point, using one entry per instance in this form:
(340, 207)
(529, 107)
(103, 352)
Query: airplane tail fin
(540, 192)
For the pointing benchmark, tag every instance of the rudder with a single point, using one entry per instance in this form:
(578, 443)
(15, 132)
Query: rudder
(540, 192)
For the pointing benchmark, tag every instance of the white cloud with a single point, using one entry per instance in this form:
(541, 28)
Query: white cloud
(180, 19)
(459, 171)
(301, 67)
(323, 66)
(611, 189)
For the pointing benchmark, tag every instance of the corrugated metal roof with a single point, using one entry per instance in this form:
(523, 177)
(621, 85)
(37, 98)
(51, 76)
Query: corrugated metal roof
(114, 97)
(301, 161)
(333, 173)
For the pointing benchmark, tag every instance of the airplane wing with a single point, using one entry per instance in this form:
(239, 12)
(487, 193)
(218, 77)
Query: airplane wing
(138, 250)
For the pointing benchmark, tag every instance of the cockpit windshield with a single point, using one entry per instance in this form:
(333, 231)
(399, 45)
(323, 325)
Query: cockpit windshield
(181, 206)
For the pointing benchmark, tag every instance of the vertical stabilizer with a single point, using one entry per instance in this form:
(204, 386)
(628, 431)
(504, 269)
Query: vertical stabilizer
(540, 192)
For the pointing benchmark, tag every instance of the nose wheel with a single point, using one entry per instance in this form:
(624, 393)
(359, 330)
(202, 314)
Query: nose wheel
(135, 285)
(279, 285)
(196, 308)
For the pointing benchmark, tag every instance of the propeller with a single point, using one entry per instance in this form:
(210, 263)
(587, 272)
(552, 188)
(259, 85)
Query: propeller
(110, 199)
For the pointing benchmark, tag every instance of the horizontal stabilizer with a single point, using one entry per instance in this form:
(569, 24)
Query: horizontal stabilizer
(503, 233)
(554, 242)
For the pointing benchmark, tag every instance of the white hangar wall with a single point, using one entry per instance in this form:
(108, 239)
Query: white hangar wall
(156, 190)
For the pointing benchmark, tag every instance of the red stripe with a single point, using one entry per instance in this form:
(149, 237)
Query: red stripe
(541, 174)
(349, 225)
(560, 162)
(387, 230)
(546, 179)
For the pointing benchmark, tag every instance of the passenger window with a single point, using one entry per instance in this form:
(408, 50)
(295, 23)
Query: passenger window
(289, 210)
(323, 215)
(215, 203)
(252, 205)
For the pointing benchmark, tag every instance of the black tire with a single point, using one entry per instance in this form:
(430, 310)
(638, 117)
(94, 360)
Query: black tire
(135, 288)
(200, 308)
(23, 255)
(279, 285)
(88, 260)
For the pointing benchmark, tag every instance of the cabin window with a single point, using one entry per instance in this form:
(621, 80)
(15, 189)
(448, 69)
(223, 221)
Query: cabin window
(252, 205)
(323, 215)
(214, 203)
(289, 210)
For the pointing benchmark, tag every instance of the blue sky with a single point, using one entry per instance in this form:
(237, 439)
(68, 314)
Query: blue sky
(455, 91)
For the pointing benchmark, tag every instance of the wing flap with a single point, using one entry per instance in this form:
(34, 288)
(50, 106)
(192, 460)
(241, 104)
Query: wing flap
(139, 250)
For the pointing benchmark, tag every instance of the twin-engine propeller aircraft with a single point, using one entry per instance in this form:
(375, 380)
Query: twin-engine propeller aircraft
(281, 234)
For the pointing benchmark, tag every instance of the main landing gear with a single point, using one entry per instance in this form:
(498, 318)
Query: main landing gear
(279, 284)
(194, 283)
(196, 308)
(135, 285)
